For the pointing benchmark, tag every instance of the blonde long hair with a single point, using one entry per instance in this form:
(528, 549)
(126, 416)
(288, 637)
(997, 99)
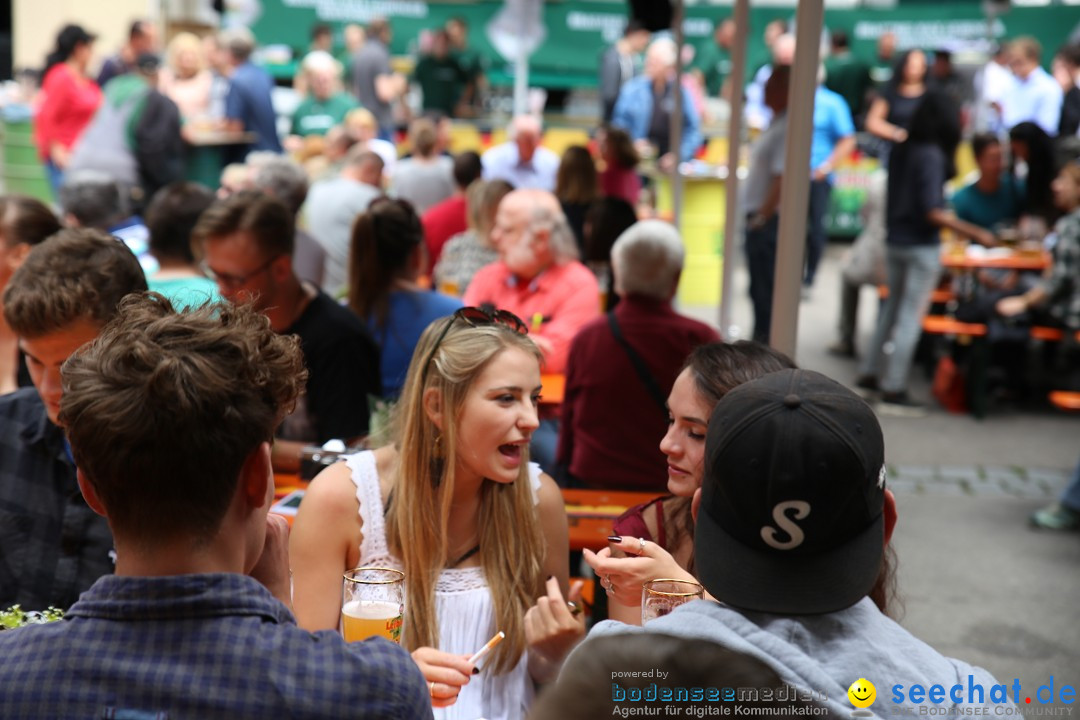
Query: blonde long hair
(511, 544)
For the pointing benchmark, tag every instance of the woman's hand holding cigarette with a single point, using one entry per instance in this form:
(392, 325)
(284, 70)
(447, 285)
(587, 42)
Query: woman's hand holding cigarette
(446, 674)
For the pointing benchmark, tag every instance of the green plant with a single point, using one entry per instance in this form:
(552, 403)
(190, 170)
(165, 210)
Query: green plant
(15, 617)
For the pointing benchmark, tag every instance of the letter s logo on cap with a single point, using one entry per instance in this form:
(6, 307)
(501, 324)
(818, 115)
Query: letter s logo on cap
(769, 533)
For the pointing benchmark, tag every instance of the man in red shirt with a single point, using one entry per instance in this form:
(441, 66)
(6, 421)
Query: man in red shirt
(612, 421)
(444, 220)
(538, 278)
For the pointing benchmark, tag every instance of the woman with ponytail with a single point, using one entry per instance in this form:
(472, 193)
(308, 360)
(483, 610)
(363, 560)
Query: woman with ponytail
(386, 259)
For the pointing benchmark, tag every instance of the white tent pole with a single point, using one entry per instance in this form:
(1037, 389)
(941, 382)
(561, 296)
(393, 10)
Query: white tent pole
(521, 82)
(731, 186)
(795, 186)
(677, 118)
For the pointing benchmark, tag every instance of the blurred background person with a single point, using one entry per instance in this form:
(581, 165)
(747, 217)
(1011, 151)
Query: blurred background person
(467, 252)
(248, 106)
(1066, 70)
(332, 207)
(522, 161)
(375, 84)
(619, 63)
(619, 178)
(24, 223)
(93, 199)
(891, 112)
(440, 77)
(712, 65)
(1034, 164)
(426, 178)
(1035, 96)
(171, 218)
(782, 54)
(915, 212)
(621, 368)
(993, 81)
(577, 185)
(135, 135)
(186, 79)
(446, 219)
(142, 39)
(386, 259)
(471, 62)
(848, 75)
(606, 219)
(362, 125)
(326, 103)
(69, 98)
(282, 178)
(645, 105)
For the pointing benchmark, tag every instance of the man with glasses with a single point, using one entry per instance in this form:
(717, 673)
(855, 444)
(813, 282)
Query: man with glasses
(247, 239)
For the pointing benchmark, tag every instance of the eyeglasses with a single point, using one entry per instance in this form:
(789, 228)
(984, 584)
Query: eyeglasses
(475, 317)
(235, 281)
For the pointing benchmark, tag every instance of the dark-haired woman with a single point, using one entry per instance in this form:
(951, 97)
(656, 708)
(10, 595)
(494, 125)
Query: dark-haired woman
(890, 114)
(69, 99)
(918, 170)
(660, 534)
(386, 259)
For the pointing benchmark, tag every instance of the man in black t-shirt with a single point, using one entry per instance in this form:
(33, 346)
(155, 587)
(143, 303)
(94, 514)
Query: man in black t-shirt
(248, 242)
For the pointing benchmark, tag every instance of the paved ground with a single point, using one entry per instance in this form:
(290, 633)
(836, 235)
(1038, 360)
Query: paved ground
(976, 581)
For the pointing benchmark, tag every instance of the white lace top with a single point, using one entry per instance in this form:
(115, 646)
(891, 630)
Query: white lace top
(463, 604)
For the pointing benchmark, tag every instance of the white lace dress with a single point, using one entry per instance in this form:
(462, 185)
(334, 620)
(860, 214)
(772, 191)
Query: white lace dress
(463, 604)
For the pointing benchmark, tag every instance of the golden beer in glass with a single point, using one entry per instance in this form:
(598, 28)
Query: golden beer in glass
(372, 604)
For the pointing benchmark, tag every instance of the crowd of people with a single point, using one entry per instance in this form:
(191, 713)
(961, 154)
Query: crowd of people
(165, 348)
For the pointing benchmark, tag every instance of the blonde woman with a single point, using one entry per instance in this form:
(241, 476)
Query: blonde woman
(186, 79)
(479, 532)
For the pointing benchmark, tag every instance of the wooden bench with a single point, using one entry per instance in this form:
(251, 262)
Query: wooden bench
(944, 325)
(940, 296)
(1065, 399)
(975, 333)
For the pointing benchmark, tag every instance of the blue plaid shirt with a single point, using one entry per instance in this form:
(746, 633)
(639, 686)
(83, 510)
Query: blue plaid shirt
(198, 646)
(52, 545)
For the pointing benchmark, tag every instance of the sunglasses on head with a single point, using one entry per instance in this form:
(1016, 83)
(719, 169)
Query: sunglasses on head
(476, 317)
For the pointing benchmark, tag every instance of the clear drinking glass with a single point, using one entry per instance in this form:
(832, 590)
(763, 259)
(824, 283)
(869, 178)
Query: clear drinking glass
(372, 603)
(659, 597)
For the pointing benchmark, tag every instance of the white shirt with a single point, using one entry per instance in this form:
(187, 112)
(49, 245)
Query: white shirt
(1036, 98)
(502, 163)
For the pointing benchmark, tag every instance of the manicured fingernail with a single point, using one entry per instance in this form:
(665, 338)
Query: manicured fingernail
(476, 671)
(550, 576)
(614, 538)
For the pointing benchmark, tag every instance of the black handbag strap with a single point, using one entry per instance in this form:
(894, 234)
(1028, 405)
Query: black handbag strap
(639, 365)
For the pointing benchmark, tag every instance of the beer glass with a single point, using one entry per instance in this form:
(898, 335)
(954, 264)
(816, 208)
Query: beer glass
(659, 597)
(372, 604)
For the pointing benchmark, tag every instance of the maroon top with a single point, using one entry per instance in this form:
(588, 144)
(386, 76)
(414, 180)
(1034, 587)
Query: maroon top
(632, 522)
(611, 427)
(621, 183)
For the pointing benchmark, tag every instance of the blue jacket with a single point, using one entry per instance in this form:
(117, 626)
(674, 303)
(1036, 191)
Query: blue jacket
(633, 111)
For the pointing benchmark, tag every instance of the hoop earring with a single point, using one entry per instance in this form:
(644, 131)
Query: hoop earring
(437, 462)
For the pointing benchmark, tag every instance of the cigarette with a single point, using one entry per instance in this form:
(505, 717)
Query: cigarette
(487, 647)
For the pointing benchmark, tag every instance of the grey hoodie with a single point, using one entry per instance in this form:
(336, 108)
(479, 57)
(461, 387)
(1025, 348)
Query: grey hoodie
(827, 653)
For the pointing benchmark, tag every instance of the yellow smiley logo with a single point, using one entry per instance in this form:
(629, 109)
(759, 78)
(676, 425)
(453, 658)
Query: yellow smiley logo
(862, 693)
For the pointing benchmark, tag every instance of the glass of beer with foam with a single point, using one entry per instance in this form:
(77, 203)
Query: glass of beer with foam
(372, 604)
